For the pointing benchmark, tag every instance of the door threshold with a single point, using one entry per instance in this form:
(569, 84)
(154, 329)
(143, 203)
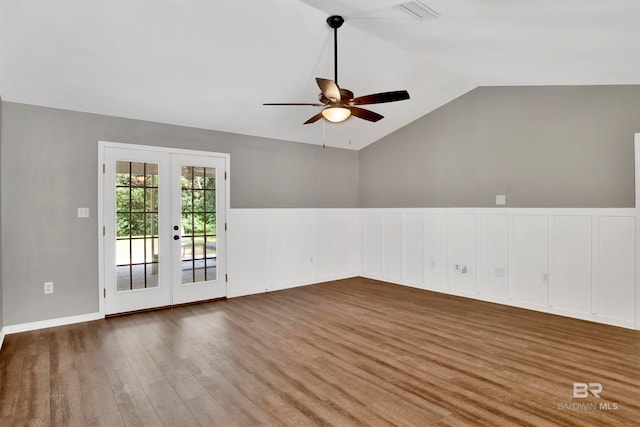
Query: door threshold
(164, 307)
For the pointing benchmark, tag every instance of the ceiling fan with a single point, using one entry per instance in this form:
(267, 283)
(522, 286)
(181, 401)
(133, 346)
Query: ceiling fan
(340, 103)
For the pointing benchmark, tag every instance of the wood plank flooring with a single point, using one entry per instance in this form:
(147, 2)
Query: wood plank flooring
(351, 352)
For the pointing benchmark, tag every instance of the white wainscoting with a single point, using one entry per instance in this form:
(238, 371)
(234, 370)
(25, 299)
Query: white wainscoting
(573, 262)
(272, 249)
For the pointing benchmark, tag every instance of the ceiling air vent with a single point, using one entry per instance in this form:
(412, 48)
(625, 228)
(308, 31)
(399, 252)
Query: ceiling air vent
(419, 10)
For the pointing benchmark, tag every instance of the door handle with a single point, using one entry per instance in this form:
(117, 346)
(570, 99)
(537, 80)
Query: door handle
(176, 237)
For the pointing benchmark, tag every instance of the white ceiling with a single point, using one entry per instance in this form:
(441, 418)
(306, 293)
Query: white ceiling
(211, 64)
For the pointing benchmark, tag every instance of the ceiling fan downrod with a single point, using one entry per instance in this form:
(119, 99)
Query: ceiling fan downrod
(335, 22)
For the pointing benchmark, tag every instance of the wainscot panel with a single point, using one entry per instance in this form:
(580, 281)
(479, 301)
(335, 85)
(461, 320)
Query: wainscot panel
(573, 262)
(273, 249)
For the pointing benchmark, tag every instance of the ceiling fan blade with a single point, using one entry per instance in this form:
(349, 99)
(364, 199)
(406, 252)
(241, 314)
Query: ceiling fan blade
(293, 103)
(365, 114)
(314, 118)
(379, 98)
(329, 88)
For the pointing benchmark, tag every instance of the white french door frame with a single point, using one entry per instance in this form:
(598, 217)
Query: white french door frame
(636, 149)
(102, 146)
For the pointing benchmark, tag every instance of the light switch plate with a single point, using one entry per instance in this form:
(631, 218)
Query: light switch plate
(501, 200)
(83, 212)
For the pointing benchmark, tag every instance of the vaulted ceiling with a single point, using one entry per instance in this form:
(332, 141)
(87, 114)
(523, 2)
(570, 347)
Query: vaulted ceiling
(212, 64)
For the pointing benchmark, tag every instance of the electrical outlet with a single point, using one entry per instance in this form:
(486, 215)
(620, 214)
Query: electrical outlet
(83, 212)
(48, 287)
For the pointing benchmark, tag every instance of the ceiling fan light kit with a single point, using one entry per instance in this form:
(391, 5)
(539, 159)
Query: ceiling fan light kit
(336, 114)
(340, 103)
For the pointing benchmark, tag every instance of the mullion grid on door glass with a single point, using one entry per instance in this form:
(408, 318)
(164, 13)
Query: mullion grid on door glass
(198, 216)
(209, 212)
(136, 195)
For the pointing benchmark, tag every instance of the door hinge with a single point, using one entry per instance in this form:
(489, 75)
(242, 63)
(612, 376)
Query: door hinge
(104, 230)
(225, 226)
(225, 175)
(226, 277)
(104, 292)
(104, 168)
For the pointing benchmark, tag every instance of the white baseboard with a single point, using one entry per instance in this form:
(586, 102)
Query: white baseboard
(2, 332)
(580, 263)
(511, 303)
(245, 292)
(50, 323)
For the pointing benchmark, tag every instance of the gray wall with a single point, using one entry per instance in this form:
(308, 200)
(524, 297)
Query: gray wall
(541, 146)
(49, 169)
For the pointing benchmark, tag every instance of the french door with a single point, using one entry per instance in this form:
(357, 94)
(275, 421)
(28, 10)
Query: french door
(164, 216)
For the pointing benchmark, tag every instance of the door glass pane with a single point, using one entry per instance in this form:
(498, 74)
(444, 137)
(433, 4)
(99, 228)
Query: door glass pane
(136, 225)
(198, 224)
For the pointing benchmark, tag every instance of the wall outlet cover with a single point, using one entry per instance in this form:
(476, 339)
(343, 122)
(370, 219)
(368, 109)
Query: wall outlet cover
(83, 212)
(501, 200)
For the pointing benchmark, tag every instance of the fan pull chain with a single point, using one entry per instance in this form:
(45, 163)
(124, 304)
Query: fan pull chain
(324, 133)
(349, 132)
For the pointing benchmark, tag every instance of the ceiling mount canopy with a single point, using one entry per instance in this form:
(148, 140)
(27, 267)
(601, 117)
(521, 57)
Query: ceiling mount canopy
(340, 103)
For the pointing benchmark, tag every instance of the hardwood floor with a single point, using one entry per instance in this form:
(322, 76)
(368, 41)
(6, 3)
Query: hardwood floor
(352, 352)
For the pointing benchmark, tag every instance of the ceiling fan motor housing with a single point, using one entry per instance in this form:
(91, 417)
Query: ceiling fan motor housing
(345, 96)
